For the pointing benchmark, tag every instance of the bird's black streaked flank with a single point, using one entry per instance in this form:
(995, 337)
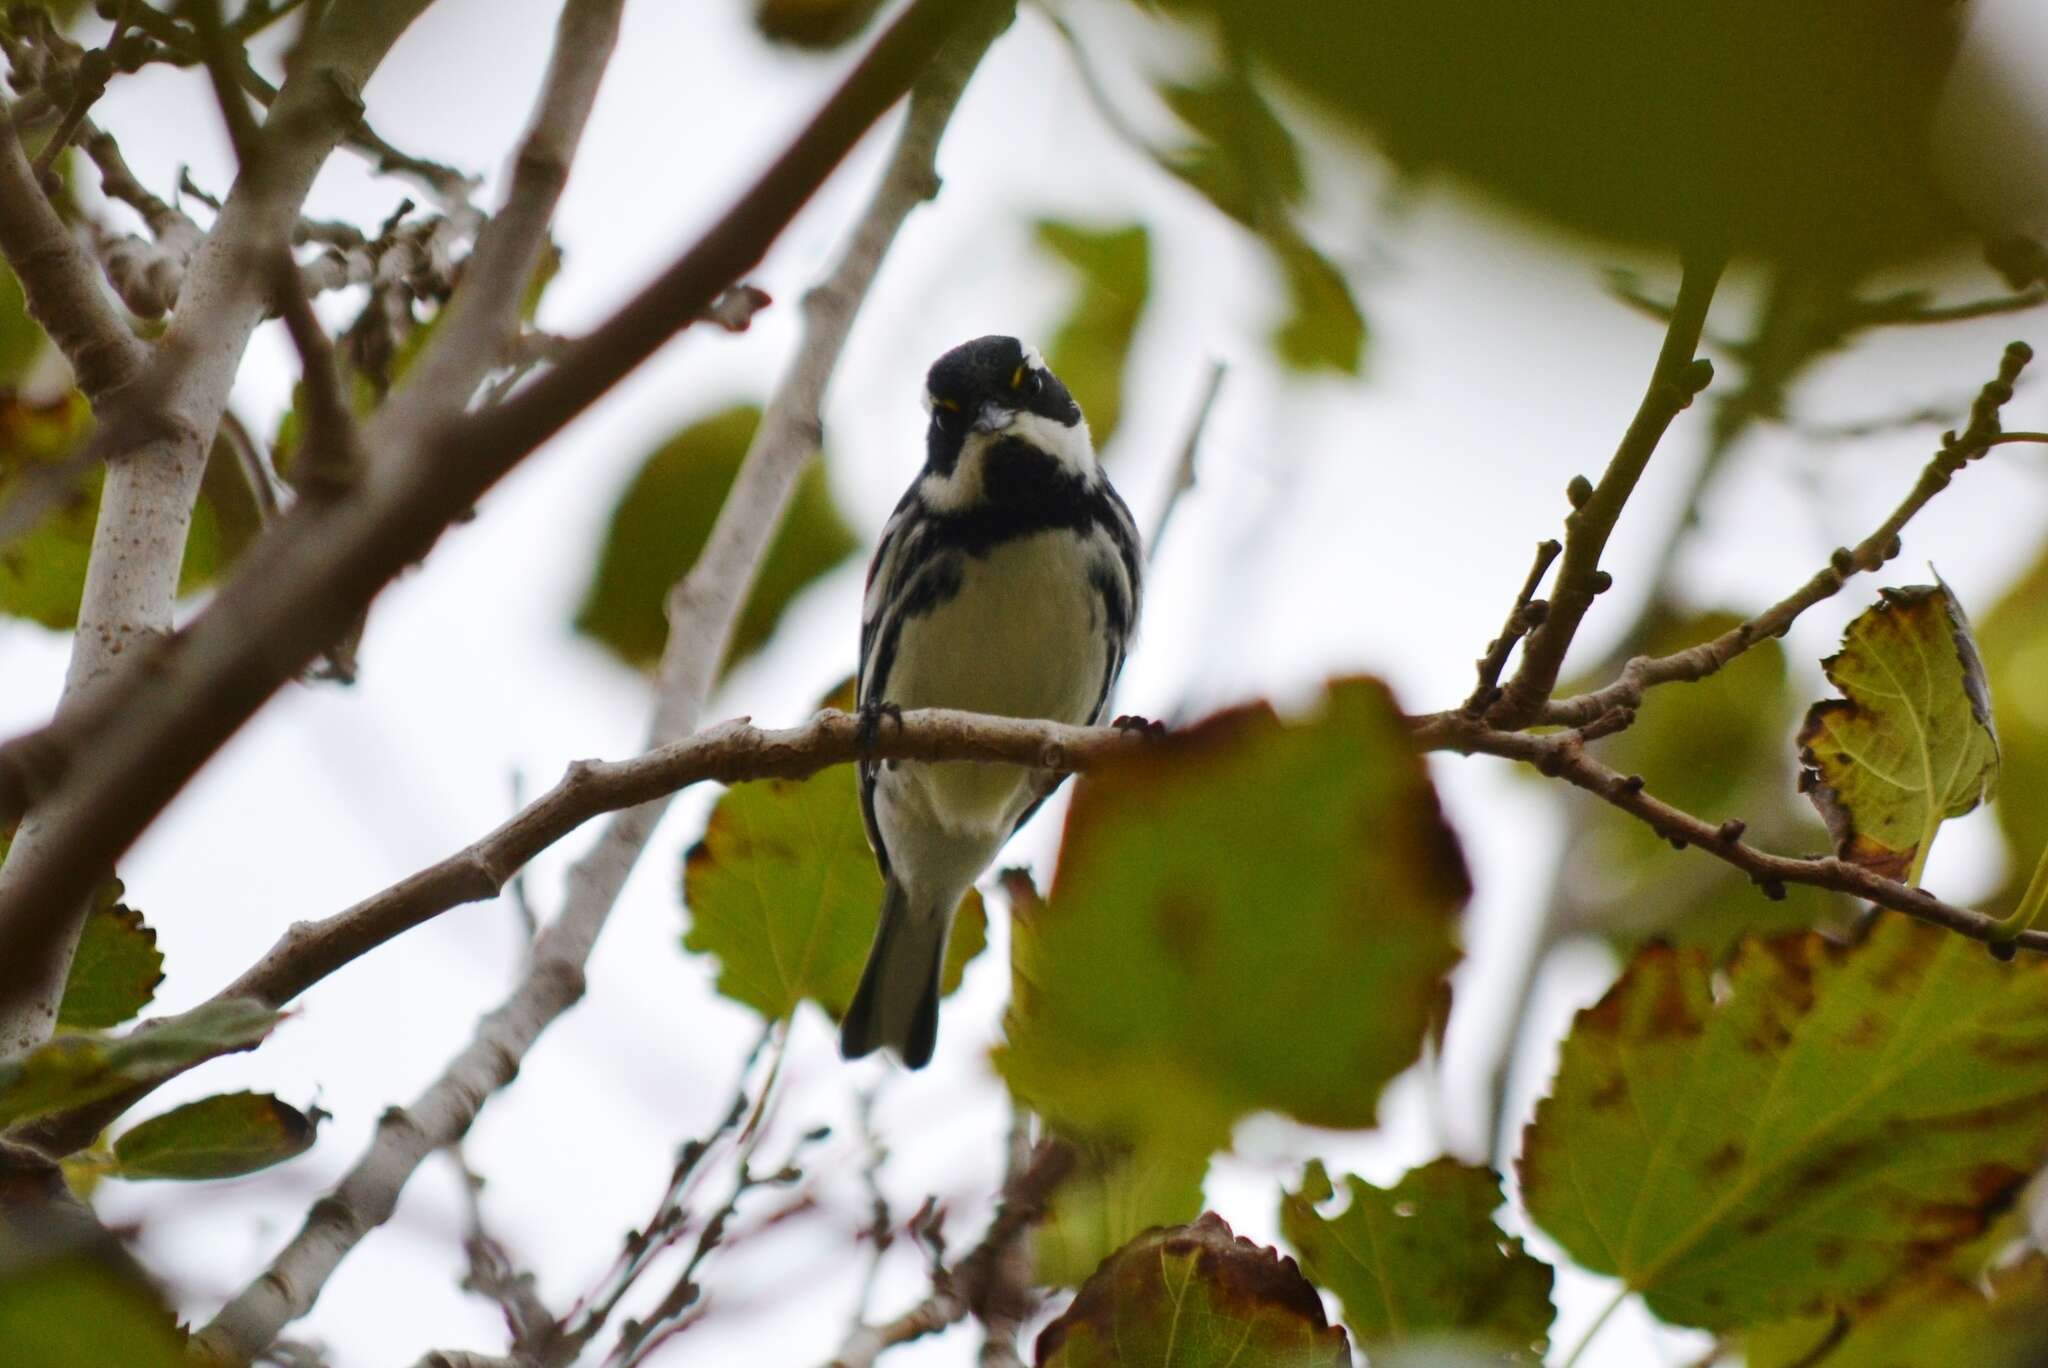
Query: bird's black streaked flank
(1007, 583)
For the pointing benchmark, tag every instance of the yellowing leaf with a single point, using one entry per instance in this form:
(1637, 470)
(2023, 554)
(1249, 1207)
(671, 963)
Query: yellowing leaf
(661, 524)
(71, 1071)
(115, 971)
(1092, 346)
(2015, 644)
(1194, 1296)
(21, 340)
(1829, 1121)
(1248, 916)
(216, 1137)
(1911, 743)
(784, 891)
(1423, 1262)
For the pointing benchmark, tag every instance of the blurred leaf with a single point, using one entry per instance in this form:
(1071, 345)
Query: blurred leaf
(1325, 331)
(1423, 1261)
(71, 1071)
(1787, 128)
(115, 971)
(1838, 1117)
(1245, 163)
(42, 573)
(813, 23)
(1194, 1296)
(1250, 915)
(1113, 1195)
(216, 1137)
(1941, 1321)
(21, 341)
(783, 890)
(1715, 748)
(2015, 644)
(1091, 349)
(76, 1312)
(1911, 743)
(662, 522)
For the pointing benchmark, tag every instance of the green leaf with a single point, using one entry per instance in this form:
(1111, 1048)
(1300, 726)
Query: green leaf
(1248, 916)
(42, 573)
(21, 340)
(76, 1311)
(2015, 642)
(1715, 748)
(216, 1137)
(115, 971)
(662, 522)
(1835, 1116)
(71, 1071)
(1941, 1321)
(784, 891)
(1194, 1296)
(1113, 1195)
(1091, 349)
(1911, 743)
(1423, 1262)
(1325, 331)
(1797, 131)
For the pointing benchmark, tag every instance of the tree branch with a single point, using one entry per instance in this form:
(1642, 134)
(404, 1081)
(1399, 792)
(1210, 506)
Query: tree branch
(60, 282)
(1677, 378)
(146, 507)
(1563, 755)
(304, 583)
(964, 1289)
(701, 617)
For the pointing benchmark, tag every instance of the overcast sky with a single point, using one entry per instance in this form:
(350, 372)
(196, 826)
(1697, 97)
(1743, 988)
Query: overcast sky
(1379, 525)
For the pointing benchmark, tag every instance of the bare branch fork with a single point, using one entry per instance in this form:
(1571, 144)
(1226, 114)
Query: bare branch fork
(702, 610)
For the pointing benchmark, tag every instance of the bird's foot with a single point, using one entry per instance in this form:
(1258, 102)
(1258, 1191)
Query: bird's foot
(1146, 726)
(870, 724)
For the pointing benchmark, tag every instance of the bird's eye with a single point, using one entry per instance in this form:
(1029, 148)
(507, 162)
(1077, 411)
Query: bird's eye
(949, 417)
(1034, 383)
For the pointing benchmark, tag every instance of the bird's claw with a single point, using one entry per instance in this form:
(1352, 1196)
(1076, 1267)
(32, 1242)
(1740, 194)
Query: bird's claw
(870, 725)
(1144, 726)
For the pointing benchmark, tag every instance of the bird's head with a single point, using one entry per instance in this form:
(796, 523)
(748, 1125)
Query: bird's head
(994, 386)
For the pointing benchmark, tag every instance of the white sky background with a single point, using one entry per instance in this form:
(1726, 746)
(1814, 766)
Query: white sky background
(1338, 526)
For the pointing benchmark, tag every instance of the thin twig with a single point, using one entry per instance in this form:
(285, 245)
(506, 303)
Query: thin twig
(1676, 379)
(1526, 613)
(1183, 478)
(963, 1289)
(1562, 755)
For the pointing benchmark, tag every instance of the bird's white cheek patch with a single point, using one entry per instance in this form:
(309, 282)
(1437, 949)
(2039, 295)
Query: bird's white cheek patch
(1070, 446)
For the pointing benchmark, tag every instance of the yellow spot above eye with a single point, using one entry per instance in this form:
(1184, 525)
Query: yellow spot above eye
(948, 405)
(1018, 377)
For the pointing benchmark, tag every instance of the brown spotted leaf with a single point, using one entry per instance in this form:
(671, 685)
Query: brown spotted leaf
(216, 1137)
(1194, 1296)
(1911, 743)
(1838, 1117)
(1422, 1262)
(1939, 1321)
(1250, 915)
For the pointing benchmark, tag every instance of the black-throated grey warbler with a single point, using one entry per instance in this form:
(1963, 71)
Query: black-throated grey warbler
(1006, 582)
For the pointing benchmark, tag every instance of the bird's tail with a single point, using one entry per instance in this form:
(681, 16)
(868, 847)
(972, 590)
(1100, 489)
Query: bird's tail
(897, 1003)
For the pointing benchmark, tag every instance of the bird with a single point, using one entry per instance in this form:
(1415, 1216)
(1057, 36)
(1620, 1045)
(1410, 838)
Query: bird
(1006, 581)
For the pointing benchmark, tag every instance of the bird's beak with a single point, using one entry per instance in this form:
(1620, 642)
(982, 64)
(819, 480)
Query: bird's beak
(993, 417)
